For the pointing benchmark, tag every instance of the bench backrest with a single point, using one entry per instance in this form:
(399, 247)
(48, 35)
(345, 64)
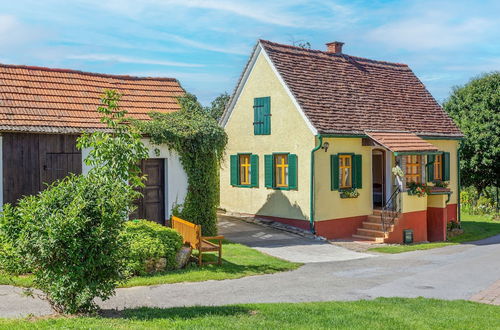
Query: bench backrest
(191, 233)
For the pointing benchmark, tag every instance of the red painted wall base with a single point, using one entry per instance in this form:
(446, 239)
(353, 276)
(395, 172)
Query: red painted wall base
(339, 228)
(417, 221)
(302, 224)
(452, 212)
(436, 223)
(427, 225)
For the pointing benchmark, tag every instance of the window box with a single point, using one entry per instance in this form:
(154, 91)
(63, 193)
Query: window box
(349, 193)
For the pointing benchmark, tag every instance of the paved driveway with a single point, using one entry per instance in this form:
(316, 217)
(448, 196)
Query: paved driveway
(284, 245)
(452, 272)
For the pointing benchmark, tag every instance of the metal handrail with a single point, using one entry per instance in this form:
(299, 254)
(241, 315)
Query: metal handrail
(391, 210)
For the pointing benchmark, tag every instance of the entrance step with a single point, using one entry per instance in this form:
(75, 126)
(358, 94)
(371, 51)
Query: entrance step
(372, 225)
(374, 218)
(371, 232)
(368, 238)
(372, 228)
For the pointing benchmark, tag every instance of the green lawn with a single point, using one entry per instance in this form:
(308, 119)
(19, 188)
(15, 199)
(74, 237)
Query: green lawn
(381, 313)
(475, 227)
(238, 261)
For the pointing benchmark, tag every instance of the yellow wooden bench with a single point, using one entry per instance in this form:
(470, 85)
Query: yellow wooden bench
(191, 234)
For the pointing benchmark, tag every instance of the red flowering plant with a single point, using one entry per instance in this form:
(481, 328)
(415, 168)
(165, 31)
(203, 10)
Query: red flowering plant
(417, 189)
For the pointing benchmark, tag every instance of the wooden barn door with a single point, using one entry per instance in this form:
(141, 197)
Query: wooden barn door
(152, 205)
(59, 157)
(31, 161)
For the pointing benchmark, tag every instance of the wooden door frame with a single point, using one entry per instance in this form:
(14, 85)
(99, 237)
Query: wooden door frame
(384, 178)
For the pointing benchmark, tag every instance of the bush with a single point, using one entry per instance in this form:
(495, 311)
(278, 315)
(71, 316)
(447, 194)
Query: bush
(71, 240)
(473, 203)
(11, 229)
(147, 243)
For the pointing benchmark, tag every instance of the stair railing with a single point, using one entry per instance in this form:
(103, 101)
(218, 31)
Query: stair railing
(391, 210)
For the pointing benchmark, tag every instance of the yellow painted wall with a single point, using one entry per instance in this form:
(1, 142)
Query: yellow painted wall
(412, 203)
(437, 201)
(289, 133)
(329, 205)
(451, 147)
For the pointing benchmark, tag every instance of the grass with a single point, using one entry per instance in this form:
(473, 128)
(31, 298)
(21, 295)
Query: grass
(475, 227)
(381, 313)
(238, 261)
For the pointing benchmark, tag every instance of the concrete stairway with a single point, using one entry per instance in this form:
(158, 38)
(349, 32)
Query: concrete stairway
(371, 229)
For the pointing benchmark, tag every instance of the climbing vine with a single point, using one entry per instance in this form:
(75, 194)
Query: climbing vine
(200, 142)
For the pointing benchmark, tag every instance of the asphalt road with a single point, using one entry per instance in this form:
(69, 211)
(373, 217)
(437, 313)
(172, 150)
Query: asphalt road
(452, 272)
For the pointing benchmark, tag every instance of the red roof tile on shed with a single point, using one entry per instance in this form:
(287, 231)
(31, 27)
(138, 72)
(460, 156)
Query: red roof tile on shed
(41, 99)
(345, 94)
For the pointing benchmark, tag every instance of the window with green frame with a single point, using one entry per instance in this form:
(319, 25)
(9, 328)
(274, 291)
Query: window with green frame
(281, 171)
(244, 170)
(438, 167)
(346, 171)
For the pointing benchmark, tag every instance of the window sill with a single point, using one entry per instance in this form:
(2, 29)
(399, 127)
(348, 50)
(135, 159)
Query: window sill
(244, 186)
(282, 188)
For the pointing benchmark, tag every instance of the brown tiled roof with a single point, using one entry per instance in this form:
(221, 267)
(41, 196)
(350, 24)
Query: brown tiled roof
(401, 141)
(344, 94)
(40, 99)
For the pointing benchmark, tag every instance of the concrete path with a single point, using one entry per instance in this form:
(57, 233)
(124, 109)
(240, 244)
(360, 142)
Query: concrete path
(452, 272)
(282, 244)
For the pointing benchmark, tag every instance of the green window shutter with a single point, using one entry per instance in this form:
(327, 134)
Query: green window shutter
(262, 115)
(269, 171)
(357, 171)
(266, 115)
(257, 127)
(234, 170)
(254, 170)
(446, 166)
(334, 172)
(292, 171)
(430, 168)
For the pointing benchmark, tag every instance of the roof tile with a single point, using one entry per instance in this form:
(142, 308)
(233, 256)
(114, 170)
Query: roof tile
(340, 93)
(40, 99)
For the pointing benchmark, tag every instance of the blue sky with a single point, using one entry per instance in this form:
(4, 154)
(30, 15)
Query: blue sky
(205, 44)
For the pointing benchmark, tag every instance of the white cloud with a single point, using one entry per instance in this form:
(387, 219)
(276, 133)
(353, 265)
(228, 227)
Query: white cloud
(125, 59)
(238, 50)
(431, 32)
(15, 34)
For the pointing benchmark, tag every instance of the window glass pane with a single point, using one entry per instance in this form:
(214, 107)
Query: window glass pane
(281, 170)
(244, 169)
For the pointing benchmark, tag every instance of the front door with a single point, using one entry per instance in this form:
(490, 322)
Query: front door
(378, 175)
(152, 205)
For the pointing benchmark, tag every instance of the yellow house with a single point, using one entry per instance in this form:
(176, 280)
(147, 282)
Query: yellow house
(339, 145)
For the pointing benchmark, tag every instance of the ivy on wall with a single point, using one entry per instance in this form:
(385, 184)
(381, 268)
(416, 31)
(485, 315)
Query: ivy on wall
(200, 142)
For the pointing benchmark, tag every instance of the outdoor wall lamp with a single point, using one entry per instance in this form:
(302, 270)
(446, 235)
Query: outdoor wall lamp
(325, 146)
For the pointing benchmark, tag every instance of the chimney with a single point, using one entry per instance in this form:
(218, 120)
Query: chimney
(334, 47)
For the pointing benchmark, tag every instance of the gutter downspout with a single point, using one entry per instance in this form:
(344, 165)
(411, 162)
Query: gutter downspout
(311, 199)
(459, 216)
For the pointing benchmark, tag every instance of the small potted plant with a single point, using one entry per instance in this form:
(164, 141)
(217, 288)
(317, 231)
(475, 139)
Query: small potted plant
(349, 193)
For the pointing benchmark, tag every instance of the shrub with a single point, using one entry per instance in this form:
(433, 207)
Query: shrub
(11, 230)
(69, 235)
(474, 203)
(71, 240)
(147, 243)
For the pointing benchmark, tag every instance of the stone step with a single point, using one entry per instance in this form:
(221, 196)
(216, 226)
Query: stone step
(372, 225)
(370, 232)
(374, 218)
(368, 238)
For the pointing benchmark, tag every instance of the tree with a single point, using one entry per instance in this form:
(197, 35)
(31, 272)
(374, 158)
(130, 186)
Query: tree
(218, 105)
(475, 108)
